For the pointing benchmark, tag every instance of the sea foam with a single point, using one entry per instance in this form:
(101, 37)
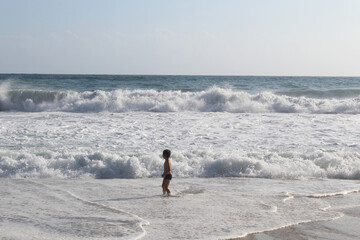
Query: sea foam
(214, 99)
(185, 164)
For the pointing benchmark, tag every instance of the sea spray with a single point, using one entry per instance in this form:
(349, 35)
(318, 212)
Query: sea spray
(287, 165)
(4, 88)
(214, 99)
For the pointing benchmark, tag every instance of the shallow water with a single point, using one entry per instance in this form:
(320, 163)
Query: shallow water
(204, 208)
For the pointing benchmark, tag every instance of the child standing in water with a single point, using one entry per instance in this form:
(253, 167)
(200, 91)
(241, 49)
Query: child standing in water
(167, 172)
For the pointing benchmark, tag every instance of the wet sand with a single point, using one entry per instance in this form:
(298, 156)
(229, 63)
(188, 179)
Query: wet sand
(345, 228)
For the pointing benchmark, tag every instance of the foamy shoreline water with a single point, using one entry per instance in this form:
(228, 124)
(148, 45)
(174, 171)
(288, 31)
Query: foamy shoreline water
(345, 227)
(216, 208)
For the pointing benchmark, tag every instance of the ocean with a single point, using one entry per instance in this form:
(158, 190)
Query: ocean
(80, 156)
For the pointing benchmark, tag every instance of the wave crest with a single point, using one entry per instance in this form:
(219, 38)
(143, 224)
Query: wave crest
(214, 99)
(286, 165)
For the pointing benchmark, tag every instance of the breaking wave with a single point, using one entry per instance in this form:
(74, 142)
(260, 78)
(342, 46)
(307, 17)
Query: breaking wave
(214, 99)
(322, 94)
(286, 165)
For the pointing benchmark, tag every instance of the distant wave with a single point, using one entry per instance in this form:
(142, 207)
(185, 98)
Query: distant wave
(214, 99)
(286, 165)
(331, 93)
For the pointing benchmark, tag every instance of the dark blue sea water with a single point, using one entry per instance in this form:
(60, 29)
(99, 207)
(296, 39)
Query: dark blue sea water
(183, 83)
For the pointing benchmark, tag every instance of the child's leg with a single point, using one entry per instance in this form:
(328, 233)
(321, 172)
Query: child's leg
(166, 185)
(163, 186)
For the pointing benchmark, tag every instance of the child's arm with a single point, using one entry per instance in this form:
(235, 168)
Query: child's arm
(164, 173)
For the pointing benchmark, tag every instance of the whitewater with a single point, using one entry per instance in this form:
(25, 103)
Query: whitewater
(129, 145)
(80, 155)
(214, 99)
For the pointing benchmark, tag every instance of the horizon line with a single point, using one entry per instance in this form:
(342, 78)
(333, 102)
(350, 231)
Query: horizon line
(200, 75)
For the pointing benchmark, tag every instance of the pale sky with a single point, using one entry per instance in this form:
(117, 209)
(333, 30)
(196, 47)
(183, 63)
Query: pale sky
(207, 37)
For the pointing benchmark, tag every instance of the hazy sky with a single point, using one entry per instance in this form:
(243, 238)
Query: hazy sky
(223, 37)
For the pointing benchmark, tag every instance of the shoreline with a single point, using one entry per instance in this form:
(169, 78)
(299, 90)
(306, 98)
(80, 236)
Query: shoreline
(207, 208)
(345, 227)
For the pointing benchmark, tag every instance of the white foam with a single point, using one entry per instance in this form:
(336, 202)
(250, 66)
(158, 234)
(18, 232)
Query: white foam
(204, 145)
(342, 193)
(214, 99)
(288, 197)
(4, 89)
(142, 165)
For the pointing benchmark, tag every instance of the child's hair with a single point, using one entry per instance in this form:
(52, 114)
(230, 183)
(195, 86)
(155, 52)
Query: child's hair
(166, 153)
